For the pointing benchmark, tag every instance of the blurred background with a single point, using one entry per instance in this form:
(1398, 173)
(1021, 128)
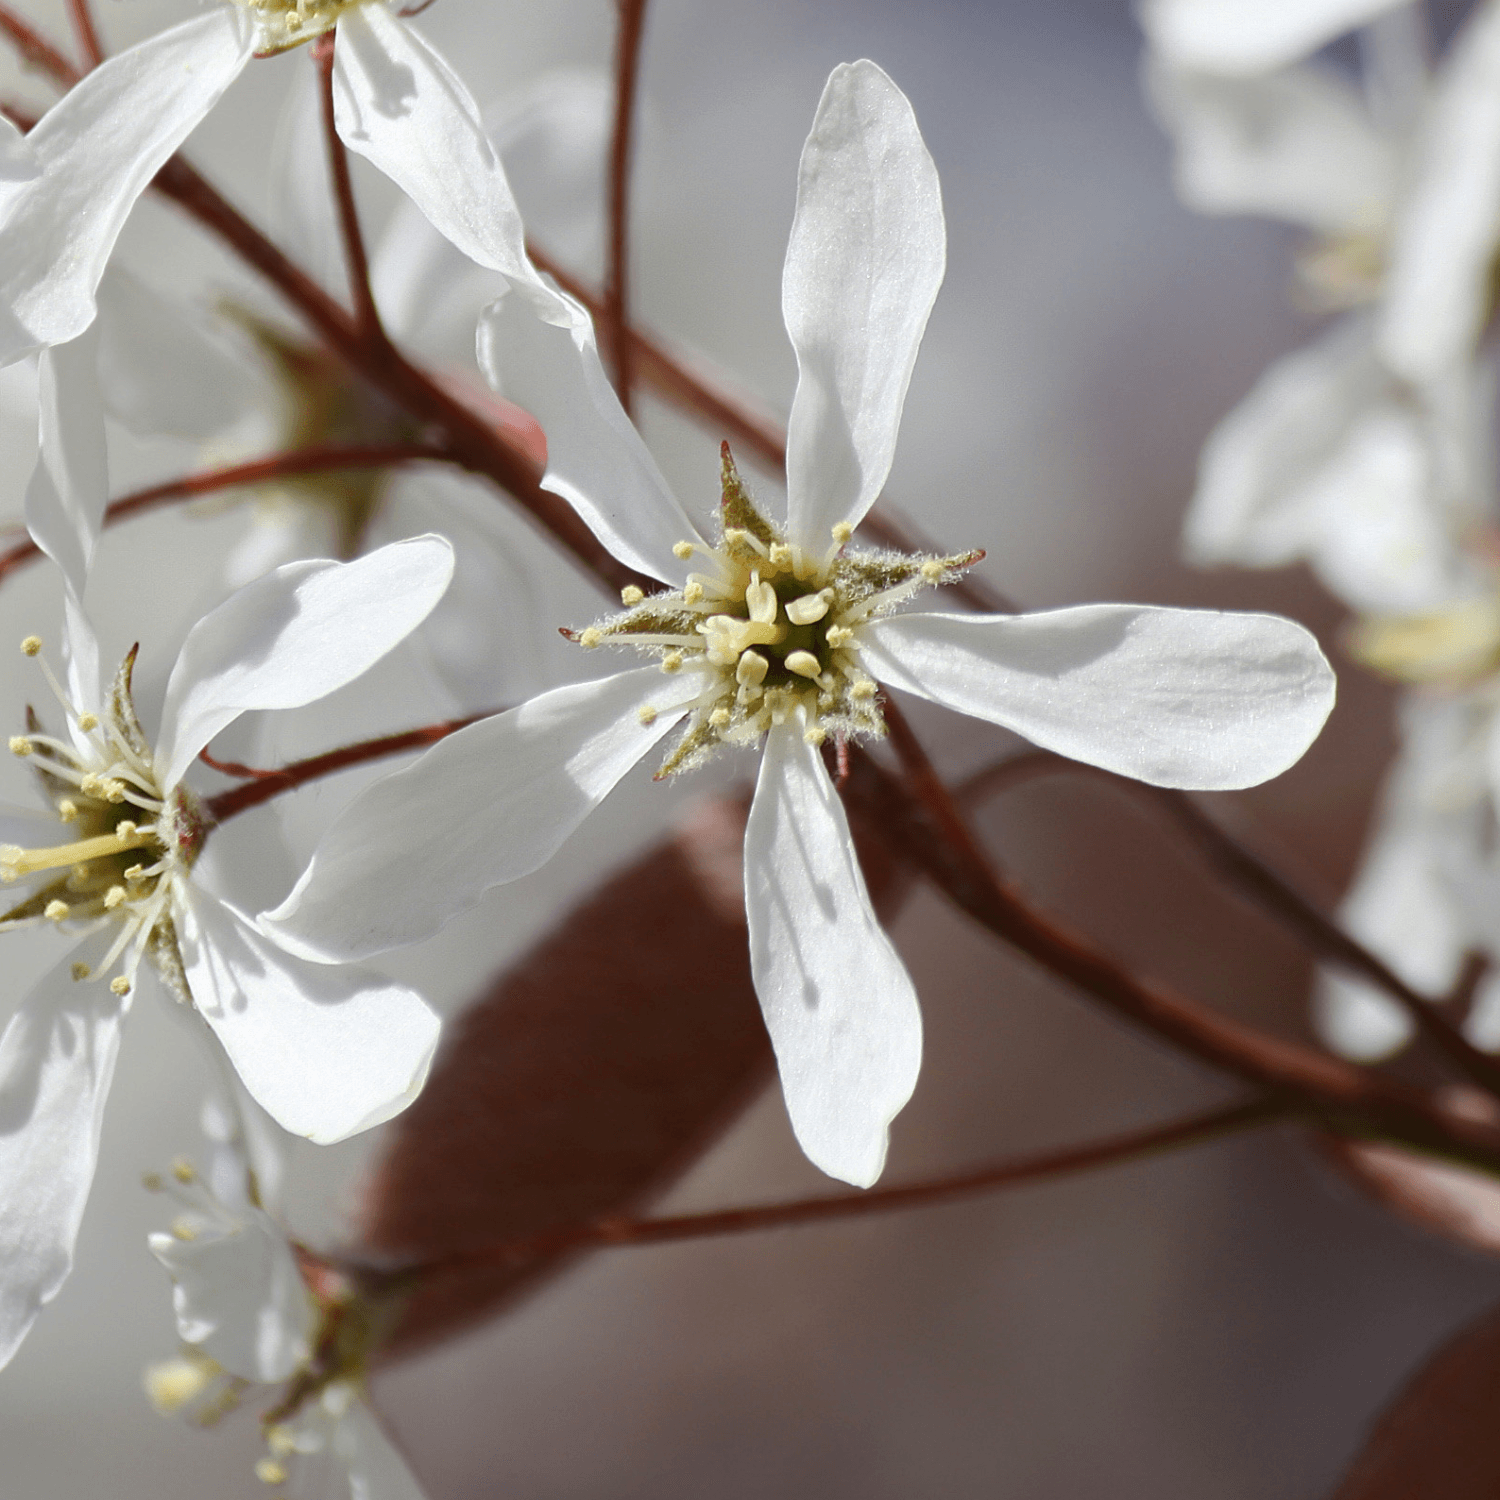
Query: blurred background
(1225, 1322)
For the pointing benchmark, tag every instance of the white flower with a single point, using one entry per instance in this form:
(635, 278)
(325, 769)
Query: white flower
(781, 632)
(397, 103)
(255, 1329)
(328, 1052)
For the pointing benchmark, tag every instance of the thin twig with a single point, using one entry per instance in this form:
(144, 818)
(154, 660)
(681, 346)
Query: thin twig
(1012, 1172)
(356, 258)
(262, 786)
(622, 140)
(82, 16)
(322, 459)
(36, 49)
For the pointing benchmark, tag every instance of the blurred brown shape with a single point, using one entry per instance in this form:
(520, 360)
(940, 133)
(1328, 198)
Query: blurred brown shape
(1440, 1438)
(583, 1083)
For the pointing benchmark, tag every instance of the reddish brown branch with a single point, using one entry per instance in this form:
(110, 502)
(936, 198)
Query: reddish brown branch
(319, 460)
(621, 147)
(82, 16)
(36, 49)
(262, 786)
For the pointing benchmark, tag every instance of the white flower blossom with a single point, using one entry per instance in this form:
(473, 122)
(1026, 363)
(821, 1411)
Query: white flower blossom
(781, 632)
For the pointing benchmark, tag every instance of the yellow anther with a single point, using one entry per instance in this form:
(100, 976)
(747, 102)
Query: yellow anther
(113, 897)
(89, 784)
(683, 550)
(184, 1230)
(86, 722)
(734, 536)
(781, 555)
(646, 714)
(590, 638)
(692, 593)
(136, 872)
(631, 595)
(839, 635)
(281, 1440)
(268, 1471)
(114, 791)
(184, 1171)
(814, 735)
(804, 664)
(81, 971)
(67, 809)
(31, 645)
(810, 608)
(720, 718)
(841, 532)
(932, 570)
(863, 690)
(761, 601)
(20, 745)
(152, 1182)
(752, 669)
(55, 911)
(672, 662)
(125, 830)
(119, 985)
(174, 1383)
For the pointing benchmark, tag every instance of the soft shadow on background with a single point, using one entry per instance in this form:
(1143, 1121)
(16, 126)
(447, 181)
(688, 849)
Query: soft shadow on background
(1220, 1324)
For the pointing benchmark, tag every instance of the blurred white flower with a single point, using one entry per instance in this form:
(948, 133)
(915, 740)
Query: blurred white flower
(781, 632)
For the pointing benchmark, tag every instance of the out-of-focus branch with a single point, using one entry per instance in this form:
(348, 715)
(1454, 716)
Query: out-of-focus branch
(628, 40)
(82, 15)
(36, 49)
(292, 465)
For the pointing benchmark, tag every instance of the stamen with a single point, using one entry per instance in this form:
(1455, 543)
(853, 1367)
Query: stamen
(646, 714)
(631, 595)
(672, 662)
(67, 810)
(268, 1471)
(119, 985)
(760, 599)
(114, 897)
(693, 593)
(720, 718)
(31, 645)
(814, 735)
(683, 550)
(20, 861)
(590, 637)
(804, 664)
(55, 911)
(81, 971)
(88, 722)
(841, 532)
(20, 745)
(810, 608)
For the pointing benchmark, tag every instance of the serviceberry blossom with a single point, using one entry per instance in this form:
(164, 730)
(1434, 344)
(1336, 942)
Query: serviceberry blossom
(327, 1052)
(397, 101)
(779, 633)
(261, 1323)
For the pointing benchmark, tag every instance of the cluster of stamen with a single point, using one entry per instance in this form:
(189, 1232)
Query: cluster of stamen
(129, 843)
(1457, 647)
(290, 23)
(772, 628)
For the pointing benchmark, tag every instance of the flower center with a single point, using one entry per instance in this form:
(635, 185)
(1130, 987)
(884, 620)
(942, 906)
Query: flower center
(130, 842)
(289, 23)
(1456, 647)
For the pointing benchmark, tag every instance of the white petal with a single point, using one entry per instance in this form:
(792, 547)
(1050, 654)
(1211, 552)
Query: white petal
(1297, 144)
(295, 636)
(163, 373)
(1175, 697)
(837, 999)
(376, 1470)
(57, 1058)
(484, 806)
(99, 147)
(863, 266)
(398, 103)
(1438, 285)
(325, 1052)
(1249, 36)
(18, 166)
(595, 458)
(239, 1296)
(70, 485)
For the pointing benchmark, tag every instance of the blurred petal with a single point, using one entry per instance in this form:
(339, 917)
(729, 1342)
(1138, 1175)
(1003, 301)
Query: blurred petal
(293, 637)
(863, 266)
(325, 1052)
(399, 104)
(1249, 36)
(99, 146)
(57, 1058)
(70, 485)
(376, 1470)
(1175, 697)
(1438, 286)
(302, 213)
(837, 999)
(595, 458)
(484, 806)
(1297, 144)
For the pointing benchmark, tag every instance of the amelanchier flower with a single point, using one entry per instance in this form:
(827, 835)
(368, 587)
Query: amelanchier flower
(779, 633)
(398, 103)
(261, 1323)
(327, 1052)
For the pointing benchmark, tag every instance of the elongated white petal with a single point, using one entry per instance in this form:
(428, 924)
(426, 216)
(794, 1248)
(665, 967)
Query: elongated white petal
(70, 485)
(57, 1058)
(484, 806)
(398, 103)
(293, 637)
(837, 999)
(99, 146)
(1175, 697)
(239, 1296)
(595, 458)
(375, 1468)
(1249, 36)
(1438, 284)
(325, 1052)
(1297, 144)
(863, 266)
(18, 166)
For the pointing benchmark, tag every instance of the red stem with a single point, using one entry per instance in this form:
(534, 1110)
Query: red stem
(319, 460)
(622, 141)
(83, 27)
(265, 785)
